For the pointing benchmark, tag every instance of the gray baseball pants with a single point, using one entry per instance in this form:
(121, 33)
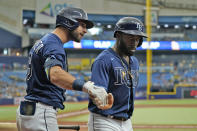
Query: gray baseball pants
(97, 122)
(44, 119)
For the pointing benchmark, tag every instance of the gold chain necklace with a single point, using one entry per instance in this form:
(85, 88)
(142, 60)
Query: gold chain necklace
(128, 72)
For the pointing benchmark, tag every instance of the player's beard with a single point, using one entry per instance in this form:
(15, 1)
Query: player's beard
(74, 36)
(124, 49)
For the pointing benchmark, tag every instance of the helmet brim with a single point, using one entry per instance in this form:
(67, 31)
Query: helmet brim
(134, 32)
(89, 24)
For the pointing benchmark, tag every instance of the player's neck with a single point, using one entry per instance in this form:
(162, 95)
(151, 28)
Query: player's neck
(62, 33)
(120, 54)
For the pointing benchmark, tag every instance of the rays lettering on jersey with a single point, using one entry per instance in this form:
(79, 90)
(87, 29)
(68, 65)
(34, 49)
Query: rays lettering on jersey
(122, 77)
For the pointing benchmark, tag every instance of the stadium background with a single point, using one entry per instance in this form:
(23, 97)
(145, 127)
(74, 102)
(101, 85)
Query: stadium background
(173, 45)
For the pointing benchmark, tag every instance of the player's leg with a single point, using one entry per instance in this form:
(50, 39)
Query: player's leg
(42, 119)
(18, 120)
(100, 123)
(50, 120)
(47, 117)
(26, 116)
(127, 125)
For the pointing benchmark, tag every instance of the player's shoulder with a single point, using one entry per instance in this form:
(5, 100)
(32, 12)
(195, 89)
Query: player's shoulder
(135, 61)
(51, 39)
(52, 42)
(134, 58)
(104, 55)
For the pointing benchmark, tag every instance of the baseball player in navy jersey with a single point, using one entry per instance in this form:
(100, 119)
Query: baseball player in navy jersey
(116, 69)
(47, 77)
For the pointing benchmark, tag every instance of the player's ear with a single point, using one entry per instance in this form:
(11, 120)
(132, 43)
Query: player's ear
(118, 34)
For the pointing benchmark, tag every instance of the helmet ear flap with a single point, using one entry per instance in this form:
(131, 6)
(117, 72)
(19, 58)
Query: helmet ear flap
(116, 33)
(140, 42)
(70, 24)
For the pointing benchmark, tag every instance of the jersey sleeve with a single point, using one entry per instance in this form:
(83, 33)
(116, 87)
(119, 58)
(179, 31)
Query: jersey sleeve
(100, 73)
(53, 55)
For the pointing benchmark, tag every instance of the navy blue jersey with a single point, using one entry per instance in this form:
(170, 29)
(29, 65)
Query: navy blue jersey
(111, 73)
(39, 87)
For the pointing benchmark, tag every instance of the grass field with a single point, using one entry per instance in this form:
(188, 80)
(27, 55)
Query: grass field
(149, 115)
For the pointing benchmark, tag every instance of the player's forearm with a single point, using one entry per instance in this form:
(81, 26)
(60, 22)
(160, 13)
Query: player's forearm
(61, 78)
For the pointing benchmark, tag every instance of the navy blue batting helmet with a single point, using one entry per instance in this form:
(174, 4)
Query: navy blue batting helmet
(130, 25)
(69, 18)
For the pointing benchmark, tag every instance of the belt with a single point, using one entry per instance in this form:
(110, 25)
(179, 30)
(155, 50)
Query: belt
(55, 108)
(116, 117)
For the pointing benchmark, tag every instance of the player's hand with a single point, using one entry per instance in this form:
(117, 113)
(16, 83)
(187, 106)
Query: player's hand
(109, 102)
(88, 87)
(98, 95)
(106, 104)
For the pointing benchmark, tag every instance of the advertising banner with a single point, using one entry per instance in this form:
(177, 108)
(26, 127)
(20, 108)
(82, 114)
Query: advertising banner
(46, 10)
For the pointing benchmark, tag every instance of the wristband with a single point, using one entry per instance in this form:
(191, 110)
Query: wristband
(78, 85)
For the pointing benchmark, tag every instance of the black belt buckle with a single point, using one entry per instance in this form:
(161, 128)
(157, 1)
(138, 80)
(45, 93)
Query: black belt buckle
(120, 118)
(117, 118)
(54, 107)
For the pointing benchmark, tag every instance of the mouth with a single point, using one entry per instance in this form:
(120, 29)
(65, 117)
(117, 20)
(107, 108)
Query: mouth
(82, 35)
(132, 48)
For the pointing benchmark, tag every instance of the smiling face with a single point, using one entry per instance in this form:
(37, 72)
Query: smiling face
(127, 43)
(79, 32)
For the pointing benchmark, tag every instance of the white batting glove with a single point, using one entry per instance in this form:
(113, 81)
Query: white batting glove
(96, 93)
(101, 96)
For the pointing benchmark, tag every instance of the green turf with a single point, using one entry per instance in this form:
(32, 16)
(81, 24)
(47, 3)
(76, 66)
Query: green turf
(165, 115)
(157, 115)
(141, 115)
(154, 116)
(74, 106)
(167, 101)
(79, 118)
(8, 113)
(168, 129)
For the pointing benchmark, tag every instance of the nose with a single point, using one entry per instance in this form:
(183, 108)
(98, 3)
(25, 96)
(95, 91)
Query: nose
(85, 30)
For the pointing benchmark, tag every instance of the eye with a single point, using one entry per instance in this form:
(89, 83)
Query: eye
(136, 38)
(82, 24)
